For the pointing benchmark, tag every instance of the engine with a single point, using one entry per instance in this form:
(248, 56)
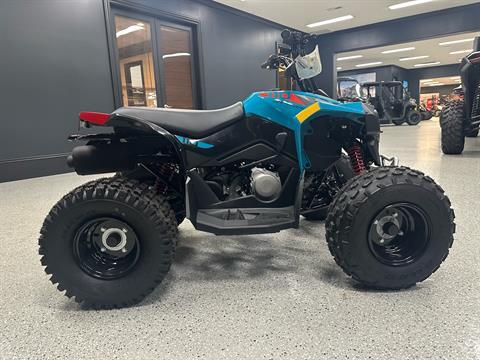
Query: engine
(265, 184)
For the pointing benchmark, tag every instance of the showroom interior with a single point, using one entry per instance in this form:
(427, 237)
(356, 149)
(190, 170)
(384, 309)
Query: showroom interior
(244, 179)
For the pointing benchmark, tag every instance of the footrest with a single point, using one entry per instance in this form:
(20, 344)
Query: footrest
(245, 221)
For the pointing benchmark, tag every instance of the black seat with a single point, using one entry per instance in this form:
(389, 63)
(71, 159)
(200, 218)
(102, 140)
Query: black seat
(195, 124)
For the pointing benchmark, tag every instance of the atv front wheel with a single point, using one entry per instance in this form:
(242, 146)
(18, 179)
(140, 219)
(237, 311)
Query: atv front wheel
(109, 242)
(414, 118)
(390, 228)
(452, 120)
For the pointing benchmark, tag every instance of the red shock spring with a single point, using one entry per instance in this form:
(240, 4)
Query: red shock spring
(356, 159)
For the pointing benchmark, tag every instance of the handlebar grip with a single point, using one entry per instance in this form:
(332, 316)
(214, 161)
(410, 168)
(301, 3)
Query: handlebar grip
(264, 65)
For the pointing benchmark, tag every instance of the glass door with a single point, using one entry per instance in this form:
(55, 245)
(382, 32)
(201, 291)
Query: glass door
(156, 62)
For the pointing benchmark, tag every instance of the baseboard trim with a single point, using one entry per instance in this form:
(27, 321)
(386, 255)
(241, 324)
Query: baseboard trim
(35, 166)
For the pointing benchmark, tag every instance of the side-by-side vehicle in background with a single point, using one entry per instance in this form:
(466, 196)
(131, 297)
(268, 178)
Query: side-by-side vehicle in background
(243, 169)
(392, 102)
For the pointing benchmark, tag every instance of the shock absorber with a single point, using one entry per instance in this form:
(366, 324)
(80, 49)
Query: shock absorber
(356, 159)
(167, 172)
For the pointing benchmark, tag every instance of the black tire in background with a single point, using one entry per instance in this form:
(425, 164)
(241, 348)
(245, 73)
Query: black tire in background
(70, 251)
(353, 214)
(426, 115)
(398, 121)
(472, 134)
(452, 123)
(413, 117)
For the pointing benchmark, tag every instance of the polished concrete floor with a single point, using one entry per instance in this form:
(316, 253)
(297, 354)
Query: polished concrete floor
(277, 296)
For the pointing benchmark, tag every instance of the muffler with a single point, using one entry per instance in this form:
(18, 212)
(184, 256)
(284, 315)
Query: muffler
(101, 158)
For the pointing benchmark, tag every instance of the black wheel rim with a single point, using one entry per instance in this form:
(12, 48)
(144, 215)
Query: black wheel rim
(399, 234)
(106, 248)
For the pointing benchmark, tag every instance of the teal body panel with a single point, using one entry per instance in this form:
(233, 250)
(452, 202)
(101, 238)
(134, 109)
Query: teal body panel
(282, 107)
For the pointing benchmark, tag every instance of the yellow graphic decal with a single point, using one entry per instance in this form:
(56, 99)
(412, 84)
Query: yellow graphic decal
(305, 113)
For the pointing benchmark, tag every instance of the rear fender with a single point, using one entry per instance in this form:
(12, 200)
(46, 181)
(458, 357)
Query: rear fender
(125, 125)
(123, 149)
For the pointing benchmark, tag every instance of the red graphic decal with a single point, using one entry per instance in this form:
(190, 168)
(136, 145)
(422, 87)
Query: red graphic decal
(264, 94)
(294, 98)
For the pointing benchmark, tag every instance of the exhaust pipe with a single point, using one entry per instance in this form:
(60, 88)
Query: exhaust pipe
(95, 159)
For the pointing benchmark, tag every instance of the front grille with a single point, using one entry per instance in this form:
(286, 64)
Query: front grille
(476, 102)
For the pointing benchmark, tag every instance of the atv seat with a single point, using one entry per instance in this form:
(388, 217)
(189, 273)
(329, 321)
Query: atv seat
(195, 124)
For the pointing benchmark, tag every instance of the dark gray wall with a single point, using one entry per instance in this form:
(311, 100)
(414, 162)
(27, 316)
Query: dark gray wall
(424, 26)
(383, 73)
(55, 63)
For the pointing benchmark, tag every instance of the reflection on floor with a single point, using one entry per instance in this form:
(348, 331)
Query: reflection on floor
(253, 297)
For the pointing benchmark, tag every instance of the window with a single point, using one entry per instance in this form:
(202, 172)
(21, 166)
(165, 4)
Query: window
(135, 57)
(156, 62)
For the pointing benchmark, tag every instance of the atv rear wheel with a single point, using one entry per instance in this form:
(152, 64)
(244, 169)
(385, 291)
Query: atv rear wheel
(176, 202)
(390, 228)
(109, 242)
(413, 118)
(452, 121)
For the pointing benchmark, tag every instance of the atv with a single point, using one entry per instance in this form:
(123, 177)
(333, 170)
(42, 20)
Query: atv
(243, 169)
(460, 117)
(392, 102)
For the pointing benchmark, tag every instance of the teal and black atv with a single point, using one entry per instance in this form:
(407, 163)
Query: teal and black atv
(243, 169)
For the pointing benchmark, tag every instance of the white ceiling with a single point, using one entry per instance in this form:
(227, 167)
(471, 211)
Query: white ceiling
(298, 13)
(429, 47)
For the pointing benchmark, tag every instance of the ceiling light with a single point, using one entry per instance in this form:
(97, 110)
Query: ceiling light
(130, 29)
(339, 68)
(461, 51)
(414, 58)
(330, 21)
(408, 3)
(166, 56)
(398, 50)
(369, 64)
(426, 80)
(446, 43)
(455, 77)
(349, 57)
(427, 64)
